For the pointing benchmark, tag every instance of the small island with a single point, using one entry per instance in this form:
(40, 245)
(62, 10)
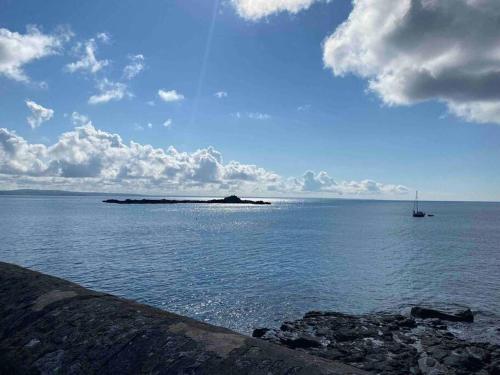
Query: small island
(233, 199)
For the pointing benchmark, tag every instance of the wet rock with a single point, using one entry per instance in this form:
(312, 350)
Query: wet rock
(304, 342)
(259, 332)
(388, 344)
(494, 369)
(426, 313)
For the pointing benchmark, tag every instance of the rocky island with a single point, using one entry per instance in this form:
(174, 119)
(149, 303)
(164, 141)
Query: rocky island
(389, 344)
(233, 199)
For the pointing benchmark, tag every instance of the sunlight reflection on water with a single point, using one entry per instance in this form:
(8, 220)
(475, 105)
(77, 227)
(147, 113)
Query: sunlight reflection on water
(243, 266)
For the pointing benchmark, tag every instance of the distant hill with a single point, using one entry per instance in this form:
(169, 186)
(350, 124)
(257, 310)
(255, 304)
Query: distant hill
(59, 193)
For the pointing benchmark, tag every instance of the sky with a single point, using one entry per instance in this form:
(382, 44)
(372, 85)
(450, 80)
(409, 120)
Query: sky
(307, 98)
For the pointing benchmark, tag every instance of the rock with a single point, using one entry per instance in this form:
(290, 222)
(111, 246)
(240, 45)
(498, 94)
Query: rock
(259, 332)
(479, 353)
(232, 199)
(463, 361)
(465, 316)
(388, 344)
(407, 322)
(495, 368)
(51, 326)
(304, 342)
(426, 313)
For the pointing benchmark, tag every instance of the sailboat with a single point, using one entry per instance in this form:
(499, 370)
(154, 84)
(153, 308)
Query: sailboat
(416, 212)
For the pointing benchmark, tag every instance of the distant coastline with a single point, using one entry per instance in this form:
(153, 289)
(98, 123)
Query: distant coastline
(58, 193)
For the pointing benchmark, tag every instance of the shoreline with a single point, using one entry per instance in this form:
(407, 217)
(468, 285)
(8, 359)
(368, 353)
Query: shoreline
(389, 344)
(48, 324)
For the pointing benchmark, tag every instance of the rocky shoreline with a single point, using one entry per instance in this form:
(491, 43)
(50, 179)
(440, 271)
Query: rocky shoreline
(389, 344)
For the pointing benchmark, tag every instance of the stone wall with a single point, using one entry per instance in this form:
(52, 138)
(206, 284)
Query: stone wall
(49, 325)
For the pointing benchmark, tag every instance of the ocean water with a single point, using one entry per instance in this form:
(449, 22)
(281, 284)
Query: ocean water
(243, 266)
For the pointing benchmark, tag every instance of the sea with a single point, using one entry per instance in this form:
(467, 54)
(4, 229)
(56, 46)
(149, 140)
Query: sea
(247, 266)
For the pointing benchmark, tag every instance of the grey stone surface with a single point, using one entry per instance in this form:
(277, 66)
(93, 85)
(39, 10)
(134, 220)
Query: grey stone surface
(388, 344)
(51, 326)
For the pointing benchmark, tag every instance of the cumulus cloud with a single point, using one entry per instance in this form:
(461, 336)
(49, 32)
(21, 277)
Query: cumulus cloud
(220, 94)
(17, 50)
(109, 91)
(87, 152)
(86, 52)
(321, 182)
(39, 114)
(256, 9)
(170, 96)
(88, 158)
(416, 50)
(135, 66)
(19, 157)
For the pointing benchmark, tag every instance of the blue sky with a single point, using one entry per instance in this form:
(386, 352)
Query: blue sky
(285, 107)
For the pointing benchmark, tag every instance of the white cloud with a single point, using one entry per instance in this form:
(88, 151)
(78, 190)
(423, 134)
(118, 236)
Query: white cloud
(150, 125)
(79, 119)
(256, 9)
(416, 50)
(322, 183)
(90, 158)
(18, 157)
(104, 37)
(304, 108)
(87, 152)
(258, 116)
(319, 182)
(109, 91)
(251, 115)
(87, 57)
(135, 66)
(170, 96)
(17, 50)
(220, 94)
(168, 123)
(39, 114)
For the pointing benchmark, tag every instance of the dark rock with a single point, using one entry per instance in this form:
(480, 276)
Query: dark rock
(233, 199)
(387, 344)
(407, 322)
(304, 342)
(259, 332)
(463, 361)
(51, 326)
(465, 316)
(495, 368)
(481, 354)
(425, 313)
(287, 326)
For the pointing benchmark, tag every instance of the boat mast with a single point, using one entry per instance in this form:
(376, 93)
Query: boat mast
(416, 199)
